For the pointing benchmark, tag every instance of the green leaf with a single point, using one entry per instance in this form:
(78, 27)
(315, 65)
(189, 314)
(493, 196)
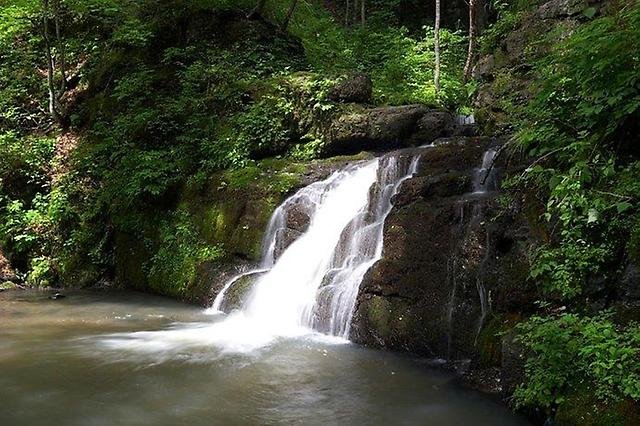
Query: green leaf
(590, 12)
(623, 206)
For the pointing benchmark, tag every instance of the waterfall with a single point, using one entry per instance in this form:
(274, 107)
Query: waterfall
(485, 179)
(313, 282)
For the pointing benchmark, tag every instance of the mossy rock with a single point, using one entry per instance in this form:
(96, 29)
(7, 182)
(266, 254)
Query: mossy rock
(8, 285)
(237, 295)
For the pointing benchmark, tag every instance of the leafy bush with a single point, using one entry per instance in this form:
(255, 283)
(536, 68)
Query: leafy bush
(173, 267)
(580, 130)
(570, 353)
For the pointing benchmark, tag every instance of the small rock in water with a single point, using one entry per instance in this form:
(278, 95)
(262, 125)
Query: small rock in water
(57, 296)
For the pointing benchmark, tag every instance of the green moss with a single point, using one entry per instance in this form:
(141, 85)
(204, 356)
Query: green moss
(379, 314)
(582, 409)
(489, 341)
(172, 269)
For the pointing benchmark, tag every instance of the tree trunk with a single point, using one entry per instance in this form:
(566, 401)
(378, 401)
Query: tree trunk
(436, 74)
(472, 39)
(287, 18)
(362, 13)
(346, 13)
(356, 8)
(60, 60)
(258, 9)
(53, 109)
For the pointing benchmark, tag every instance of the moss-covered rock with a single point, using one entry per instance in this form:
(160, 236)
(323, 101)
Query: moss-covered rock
(386, 128)
(449, 265)
(238, 293)
(215, 230)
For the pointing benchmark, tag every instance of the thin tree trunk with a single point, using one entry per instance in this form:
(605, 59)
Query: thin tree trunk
(50, 64)
(356, 8)
(346, 13)
(61, 60)
(472, 39)
(362, 13)
(258, 9)
(436, 74)
(287, 18)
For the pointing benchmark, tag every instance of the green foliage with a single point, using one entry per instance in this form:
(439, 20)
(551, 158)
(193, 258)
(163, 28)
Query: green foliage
(579, 132)
(580, 129)
(167, 94)
(172, 269)
(569, 353)
(24, 194)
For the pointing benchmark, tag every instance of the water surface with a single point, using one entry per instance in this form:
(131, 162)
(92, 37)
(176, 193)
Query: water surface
(98, 358)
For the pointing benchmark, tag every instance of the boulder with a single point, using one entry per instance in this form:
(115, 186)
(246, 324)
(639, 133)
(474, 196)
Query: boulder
(433, 125)
(284, 238)
(484, 68)
(386, 128)
(357, 88)
(557, 9)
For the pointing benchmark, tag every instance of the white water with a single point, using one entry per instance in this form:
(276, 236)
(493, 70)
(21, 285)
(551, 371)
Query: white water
(313, 284)
(484, 179)
(216, 308)
(308, 289)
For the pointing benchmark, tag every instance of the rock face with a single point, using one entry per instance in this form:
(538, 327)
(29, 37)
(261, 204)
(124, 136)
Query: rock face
(356, 88)
(448, 266)
(386, 128)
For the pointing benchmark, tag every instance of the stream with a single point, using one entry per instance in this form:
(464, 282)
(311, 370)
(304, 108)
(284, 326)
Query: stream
(105, 358)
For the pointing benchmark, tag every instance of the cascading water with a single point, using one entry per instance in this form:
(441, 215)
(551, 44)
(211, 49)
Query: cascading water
(484, 179)
(314, 282)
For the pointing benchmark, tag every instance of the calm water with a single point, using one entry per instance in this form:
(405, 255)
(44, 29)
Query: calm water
(128, 358)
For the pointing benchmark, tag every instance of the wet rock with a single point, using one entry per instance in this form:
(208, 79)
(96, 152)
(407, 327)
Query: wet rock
(239, 292)
(447, 265)
(297, 217)
(57, 296)
(284, 238)
(210, 278)
(357, 88)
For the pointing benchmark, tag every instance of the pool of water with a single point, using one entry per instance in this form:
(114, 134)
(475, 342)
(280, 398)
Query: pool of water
(96, 358)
